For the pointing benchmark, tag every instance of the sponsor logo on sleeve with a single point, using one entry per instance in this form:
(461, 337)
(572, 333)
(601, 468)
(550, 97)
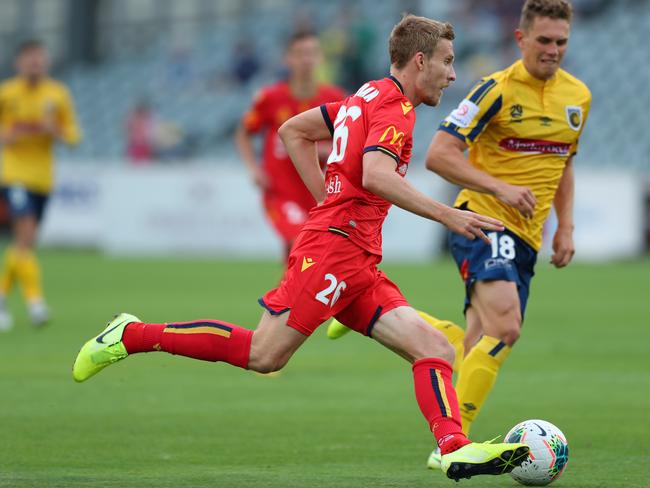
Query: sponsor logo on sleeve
(574, 116)
(464, 114)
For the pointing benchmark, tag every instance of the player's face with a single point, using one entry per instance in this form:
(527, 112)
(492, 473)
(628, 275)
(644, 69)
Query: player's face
(543, 46)
(437, 73)
(33, 63)
(303, 56)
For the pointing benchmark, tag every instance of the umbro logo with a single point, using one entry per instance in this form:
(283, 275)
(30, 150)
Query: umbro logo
(469, 407)
(307, 263)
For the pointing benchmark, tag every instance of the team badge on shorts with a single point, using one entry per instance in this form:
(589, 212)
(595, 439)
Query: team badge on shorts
(574, 116)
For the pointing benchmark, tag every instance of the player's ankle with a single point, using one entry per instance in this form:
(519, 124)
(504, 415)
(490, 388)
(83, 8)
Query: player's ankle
(452, 442)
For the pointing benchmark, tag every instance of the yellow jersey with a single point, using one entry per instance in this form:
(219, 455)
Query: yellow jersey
(28, 160)
(521, 130)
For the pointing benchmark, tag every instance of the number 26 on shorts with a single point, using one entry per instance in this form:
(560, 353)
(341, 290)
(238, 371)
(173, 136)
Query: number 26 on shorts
(331, 293)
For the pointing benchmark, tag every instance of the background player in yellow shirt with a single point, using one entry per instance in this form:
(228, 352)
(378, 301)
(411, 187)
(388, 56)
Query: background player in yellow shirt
(35, 112)
(521, 127)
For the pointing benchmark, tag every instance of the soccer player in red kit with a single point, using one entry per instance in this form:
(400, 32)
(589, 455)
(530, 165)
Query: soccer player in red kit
(286, 199)
(332, 268)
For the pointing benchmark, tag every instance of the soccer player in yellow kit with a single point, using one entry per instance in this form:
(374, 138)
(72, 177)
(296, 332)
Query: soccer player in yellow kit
(521, 127)
(35, 112)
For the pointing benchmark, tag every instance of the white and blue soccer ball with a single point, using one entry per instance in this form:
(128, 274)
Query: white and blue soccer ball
(549, 452)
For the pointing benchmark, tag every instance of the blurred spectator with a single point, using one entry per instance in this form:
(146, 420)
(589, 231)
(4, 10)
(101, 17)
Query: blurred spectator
(359, 42)
(151, 138)
(180, 69)
(245, 63)
(170, 141)
(140, 129)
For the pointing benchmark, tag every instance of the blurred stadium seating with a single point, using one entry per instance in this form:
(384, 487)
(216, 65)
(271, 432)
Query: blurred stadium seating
(178, 56)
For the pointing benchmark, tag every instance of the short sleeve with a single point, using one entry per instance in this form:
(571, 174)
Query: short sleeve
(468, 121)
(254, 119)
(390, 126)
(2, 103)
(68, 119)
(329, 111)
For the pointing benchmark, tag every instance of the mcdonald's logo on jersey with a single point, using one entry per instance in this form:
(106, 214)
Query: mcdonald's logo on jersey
(396, 137)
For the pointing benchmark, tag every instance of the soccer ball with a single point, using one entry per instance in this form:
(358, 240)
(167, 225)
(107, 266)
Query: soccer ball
(549, 452)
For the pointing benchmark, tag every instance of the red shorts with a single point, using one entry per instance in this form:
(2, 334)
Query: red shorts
(286, 216)
(327, 275)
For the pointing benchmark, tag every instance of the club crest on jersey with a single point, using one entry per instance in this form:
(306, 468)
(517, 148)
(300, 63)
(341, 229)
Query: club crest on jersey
(463, 115)
(574, 116)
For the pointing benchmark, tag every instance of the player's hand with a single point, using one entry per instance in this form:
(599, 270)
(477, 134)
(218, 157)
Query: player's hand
(50, 124)
(11, 135)
(259, 178)
(520, 197)
(470, 224)
(563, 247)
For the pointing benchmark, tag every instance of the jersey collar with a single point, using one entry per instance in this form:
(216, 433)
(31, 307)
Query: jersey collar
(523, 74)
(397, 83)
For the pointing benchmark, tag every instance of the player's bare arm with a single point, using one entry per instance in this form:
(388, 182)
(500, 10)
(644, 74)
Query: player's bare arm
(300, 135)
(246, 150)
(380, 178)
(446, 157)
(563, 246)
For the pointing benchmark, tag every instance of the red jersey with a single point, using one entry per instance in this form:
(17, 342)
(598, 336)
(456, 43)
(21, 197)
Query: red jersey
(376, 118)
(272, 106)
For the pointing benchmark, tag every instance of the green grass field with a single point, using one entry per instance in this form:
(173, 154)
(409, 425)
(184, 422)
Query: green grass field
(341, 413)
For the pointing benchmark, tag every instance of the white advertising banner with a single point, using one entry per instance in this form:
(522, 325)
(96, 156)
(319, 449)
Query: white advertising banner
(72, 217)
(608, 216)
(184, 209)
(215, 210)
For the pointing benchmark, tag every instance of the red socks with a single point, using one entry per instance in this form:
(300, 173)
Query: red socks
(207, 340)
(438, 402)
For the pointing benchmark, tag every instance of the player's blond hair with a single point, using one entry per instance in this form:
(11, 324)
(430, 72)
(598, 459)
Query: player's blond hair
(415, 34)
(554, 9)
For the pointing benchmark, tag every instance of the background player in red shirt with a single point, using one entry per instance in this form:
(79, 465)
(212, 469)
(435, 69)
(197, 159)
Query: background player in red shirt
(332, 269)
(286, 199)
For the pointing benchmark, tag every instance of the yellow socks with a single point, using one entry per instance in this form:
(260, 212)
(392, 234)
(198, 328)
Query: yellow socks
(452, 332)
(477, 375)
(21, 266)
(8, 271)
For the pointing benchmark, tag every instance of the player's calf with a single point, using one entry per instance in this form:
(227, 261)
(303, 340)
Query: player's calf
(409, 335)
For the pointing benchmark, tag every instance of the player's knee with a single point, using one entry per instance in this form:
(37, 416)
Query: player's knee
(511, 335)
(509, 320)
